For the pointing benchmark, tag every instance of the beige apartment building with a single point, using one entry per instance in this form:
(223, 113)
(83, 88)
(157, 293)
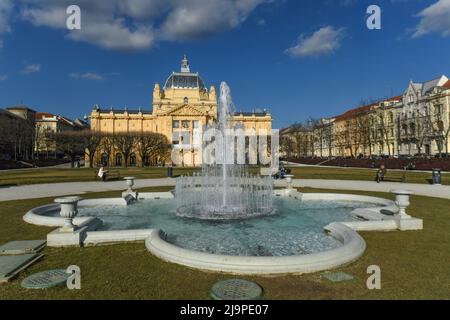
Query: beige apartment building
(417, 122)
(48, 124)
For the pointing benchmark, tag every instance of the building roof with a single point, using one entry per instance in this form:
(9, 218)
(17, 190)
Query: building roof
(250, 114)
(364, 109)
(396, 98)
(447, 85)
(426, 86)
(122, 111)
(355, 112)
(21, 107)
(42, 115)
(9, 114)
(184, 79)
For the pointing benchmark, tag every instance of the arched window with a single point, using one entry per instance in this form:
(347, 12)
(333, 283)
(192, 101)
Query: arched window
(146, 161)
(186, 100)
(104, 159)
(405, 129)
(133, 160)
(412, 128)
(119, 160)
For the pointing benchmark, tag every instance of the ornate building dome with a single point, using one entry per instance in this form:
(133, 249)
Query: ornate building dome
(185, 79)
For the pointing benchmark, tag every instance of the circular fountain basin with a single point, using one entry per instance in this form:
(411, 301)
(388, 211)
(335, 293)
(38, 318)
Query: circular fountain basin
(304, 233)
(294, 227)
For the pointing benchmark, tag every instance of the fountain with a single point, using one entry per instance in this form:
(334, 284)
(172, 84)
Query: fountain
(224, 190)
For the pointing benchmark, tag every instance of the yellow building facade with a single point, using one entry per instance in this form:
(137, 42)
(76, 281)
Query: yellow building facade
(182, 108)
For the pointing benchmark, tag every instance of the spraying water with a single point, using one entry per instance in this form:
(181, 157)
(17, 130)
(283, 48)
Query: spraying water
(224, 190)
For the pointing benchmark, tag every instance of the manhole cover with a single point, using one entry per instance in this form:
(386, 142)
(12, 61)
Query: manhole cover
(236, 289)
(46, 279)
(337, 276)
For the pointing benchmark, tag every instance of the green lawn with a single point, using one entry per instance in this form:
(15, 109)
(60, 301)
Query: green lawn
(34, 176)
(415, 265)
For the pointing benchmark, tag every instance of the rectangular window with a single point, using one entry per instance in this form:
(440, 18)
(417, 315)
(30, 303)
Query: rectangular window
(175, 124)
(186, 138)
(176, 138)
(185, 124)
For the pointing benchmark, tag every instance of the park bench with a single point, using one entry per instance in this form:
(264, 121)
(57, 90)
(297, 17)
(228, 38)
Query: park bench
(110, 175)
(394, 176)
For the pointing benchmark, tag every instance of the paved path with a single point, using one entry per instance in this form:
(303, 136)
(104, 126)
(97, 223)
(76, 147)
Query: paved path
(70, 188)
(419, 189)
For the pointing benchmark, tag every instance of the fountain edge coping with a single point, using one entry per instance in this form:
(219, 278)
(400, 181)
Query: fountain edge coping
(353, 247)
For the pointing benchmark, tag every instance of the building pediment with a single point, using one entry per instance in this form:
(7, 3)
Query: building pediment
(186, 110)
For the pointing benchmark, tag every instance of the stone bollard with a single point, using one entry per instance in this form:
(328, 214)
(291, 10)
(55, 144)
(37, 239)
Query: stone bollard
(69, 210)
(402, 202)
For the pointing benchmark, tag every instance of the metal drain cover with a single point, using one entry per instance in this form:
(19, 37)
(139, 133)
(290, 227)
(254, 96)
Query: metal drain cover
(337, 276)
(46, 279)
(236, 289)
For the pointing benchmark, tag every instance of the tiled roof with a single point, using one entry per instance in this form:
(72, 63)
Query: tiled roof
(41, 115)
(361, 110)
(355, 112)
(447, 85)
(396, 98)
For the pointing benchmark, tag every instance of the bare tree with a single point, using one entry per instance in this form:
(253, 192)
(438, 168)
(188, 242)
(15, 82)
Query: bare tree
(91, 143)
(439, 133)
(420, 129)
(70, 143)
(152, 146)
(107, 142)
(124, 143)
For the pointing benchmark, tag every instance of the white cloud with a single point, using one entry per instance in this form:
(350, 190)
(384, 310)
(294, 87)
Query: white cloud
(324, 41)
(3, 77)
(139, 24)
(198, 18)
(87, 75)
(31, 68)
(5, 11)
(435, 18)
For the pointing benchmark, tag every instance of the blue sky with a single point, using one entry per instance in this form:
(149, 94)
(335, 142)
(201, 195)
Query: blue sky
(296, 58)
